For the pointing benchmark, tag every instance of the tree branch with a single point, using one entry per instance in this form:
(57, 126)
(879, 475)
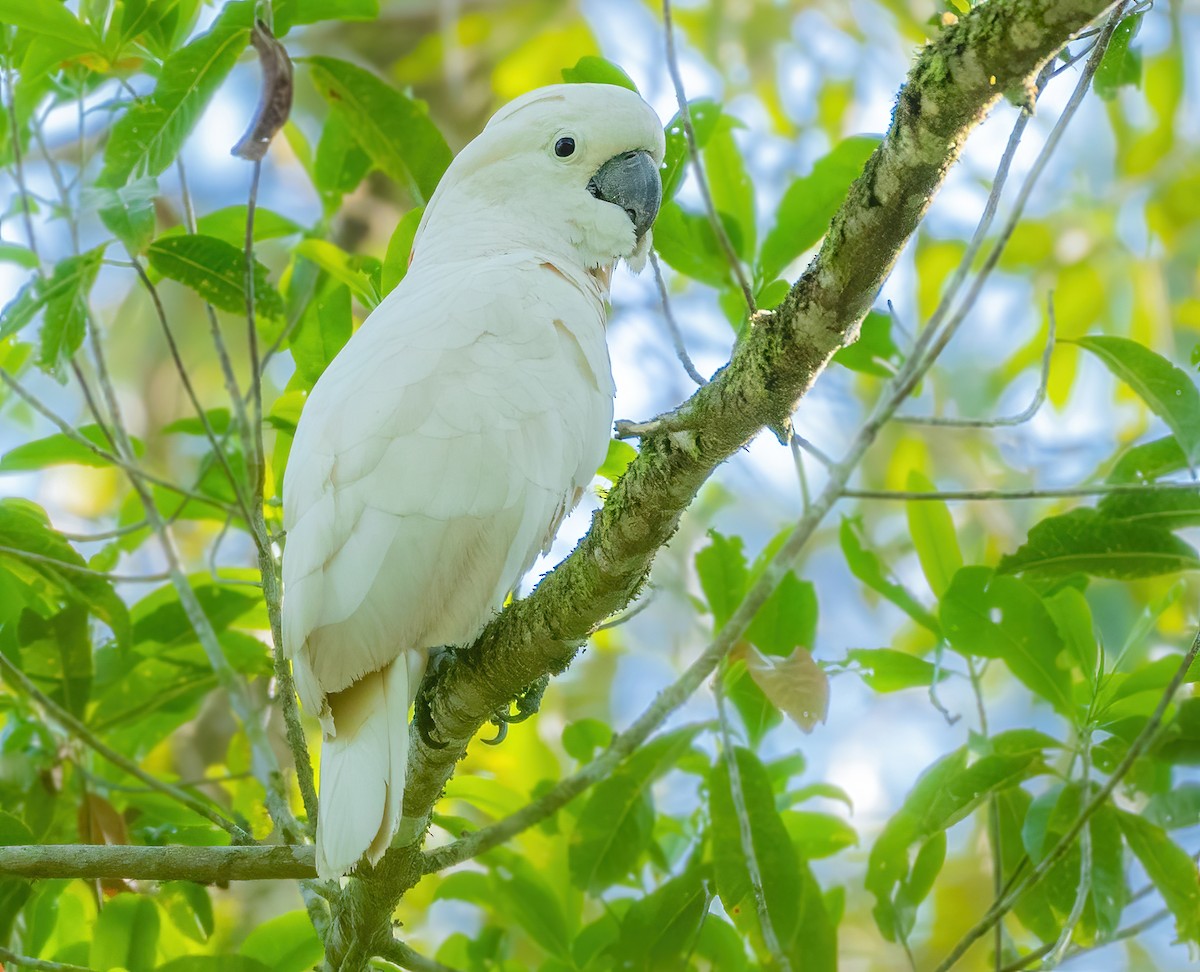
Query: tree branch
(204, 865)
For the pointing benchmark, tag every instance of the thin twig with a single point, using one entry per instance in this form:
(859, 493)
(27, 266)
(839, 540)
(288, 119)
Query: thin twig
(400, 954)
(268, 569)
(673, 325)
(685, 115)
(1033, 493)
(85, 571)
(42, 965)
(85, 735)
(171, 862)
(1023, 416)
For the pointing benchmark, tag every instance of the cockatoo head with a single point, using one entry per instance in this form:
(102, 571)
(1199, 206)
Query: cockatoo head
(571, 168)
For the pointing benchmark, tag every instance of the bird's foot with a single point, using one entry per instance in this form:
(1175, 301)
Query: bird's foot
(440, 660)
(527, 703)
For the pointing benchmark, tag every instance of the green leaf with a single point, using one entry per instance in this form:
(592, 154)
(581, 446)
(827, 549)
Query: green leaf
(215, 270)
(1121, 64)
(65, 295)
(126, 934)
(49, 18)
(1170, 509)
(995, 616)
(527, 899)
(590, 69)
(933, 536)
(721, 567)
(189, 907)
(810, 202)
(1166, 389)
(392, 128)
(149, 136)
(1148, 461)
(286, 943)
(1033, 907)
(616, 461)
(793, 898)
(160, 618)
(292, 13)
(616, 824)
(874, 353)
(704, 115)
(322, 332)
(787, 619)
(659, 930)
(59, 449)
(229, 224)
(1175, 809)
(1085, 541)
(817, 835)
(1073, 617)
(888, 670)
(360, 273)
(730, 187)
(583, 737)
(1172, 870)
(127, 212)
(1109, 891)
(867, 567)
(399, 249)
(213, 963)
(687, 243)
(341, 163)
(22, 256)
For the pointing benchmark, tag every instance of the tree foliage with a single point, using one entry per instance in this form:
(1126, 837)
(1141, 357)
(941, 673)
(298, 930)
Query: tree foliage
(951, 719)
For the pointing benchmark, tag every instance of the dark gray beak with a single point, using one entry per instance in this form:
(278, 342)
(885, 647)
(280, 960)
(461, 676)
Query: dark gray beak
(630, 180)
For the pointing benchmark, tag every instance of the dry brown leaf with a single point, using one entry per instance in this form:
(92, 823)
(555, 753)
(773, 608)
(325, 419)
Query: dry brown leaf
(794, 683)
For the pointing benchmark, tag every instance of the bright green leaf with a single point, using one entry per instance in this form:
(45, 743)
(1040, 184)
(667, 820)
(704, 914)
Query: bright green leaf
(215, 270)
(888, 670)
(590, 69)
(400, 249)
(933, 535)
(1172, 870)
(867, 566)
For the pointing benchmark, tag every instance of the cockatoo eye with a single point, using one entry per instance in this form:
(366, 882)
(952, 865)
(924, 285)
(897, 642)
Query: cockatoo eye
(564, 148)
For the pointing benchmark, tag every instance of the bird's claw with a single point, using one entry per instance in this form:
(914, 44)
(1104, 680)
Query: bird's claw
(439, 661)
(527, 703)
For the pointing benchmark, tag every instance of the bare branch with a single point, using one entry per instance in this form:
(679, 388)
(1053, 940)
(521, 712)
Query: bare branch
(174, 862)
(25, 962)
(400, 954)
(1032, 493)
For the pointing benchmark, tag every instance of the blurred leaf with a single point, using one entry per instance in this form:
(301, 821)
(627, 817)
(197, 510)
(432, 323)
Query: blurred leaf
(1166, 389)
(292, 13)
(793, 898)
(615, 825)
(817, 835)
(49, 18)
(22, 256)
(219, 418)
(874, 350)
(286, 943)
(888, 670)
(57, 652)
(1110, 891)
(1170, 509)
(189, 908)
(400, 249)
(229, 224)
(59, 449)
(721, 567)
(159, 617)
(216, 271)
(1073, 618)
(995, 616)
(527, 899)
(126, 934)
(686, 242)
(730, 187)
(590, 69)
(1148, 461)
(868, 567)
(391, 128)
(1121, 64)
(360, 273)
(322, 332)
(1033, 907)
(787, 619)
(810, 202)
(127, 212)
(583, 737)
(65, 295)
(704, 115)
(1175, 809)
(1086, 541)
(933, 535)
(659, 930)
(616, 461)
(341, 163)
(212, 963)
(795, 684)
(149, 136)
(1172, 870)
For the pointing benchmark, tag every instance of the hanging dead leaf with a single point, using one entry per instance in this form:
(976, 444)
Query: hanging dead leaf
(794, 683)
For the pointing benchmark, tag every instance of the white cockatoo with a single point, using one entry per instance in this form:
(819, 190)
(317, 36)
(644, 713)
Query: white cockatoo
(437, 454)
